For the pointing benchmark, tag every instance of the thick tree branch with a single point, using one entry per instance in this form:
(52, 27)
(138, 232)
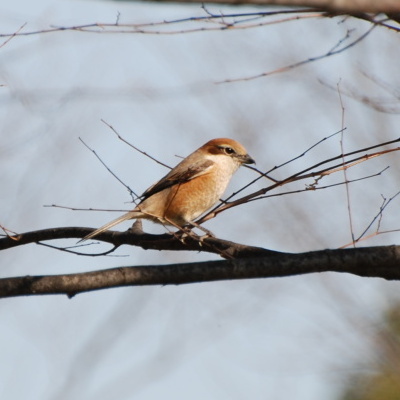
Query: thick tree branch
(383, 262)
(136, 237)
(336, 6)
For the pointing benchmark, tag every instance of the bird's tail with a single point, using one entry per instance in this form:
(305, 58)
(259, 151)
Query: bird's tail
(122, 218)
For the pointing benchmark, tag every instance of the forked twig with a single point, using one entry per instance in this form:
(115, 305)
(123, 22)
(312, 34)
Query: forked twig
(267, 174)
(13, 35)
(148, 27)
(134, 147)
(303, 175)
(377, 218)
(131, 192)
(78, 253)
(334, 51)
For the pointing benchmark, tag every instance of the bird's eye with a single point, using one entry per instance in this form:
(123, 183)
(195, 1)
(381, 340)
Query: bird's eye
(229, 150)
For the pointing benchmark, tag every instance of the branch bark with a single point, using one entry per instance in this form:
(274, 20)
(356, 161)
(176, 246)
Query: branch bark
(382, 262)
(335, 6)
(136, 237)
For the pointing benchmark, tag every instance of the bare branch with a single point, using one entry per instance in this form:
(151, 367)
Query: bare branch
(134, 147)
(77, 253)
(377, 218)
(135, 237)
(337, 6)
(389, 105)
(303, 175)
(313, 186)
(13, 35)
(84, 209)
(131, 192)
(347, 186)
(332, 52)
(220, 22)
(235, 21)
(267, 174)
(380, 262)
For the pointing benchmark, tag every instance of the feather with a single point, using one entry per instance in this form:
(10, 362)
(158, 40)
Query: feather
(122, 218)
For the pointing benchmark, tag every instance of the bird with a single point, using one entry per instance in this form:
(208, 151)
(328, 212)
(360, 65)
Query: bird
(190, 188)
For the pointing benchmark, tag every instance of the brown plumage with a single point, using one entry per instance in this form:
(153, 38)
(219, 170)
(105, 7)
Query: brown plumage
(189, 189)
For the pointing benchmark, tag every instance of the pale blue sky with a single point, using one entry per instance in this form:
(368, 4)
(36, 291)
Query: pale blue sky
(296, 338)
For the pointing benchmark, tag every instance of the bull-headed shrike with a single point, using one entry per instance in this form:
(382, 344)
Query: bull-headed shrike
(189, 189)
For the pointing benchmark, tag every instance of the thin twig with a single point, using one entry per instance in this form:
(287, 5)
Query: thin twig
(330, 53)
(131, 192)
(347, 187)
(78, 253)
(302, 175)
(378, 216)
(13, 236)
(141, 28)
(134, 147)
(13, 35)
(312, 187)
(85, 209)
(266, 174)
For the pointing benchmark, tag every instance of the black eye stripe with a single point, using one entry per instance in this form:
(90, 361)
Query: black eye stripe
(228, 150)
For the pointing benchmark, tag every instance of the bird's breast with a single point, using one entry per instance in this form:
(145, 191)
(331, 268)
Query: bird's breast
(189, 200)
(184, 202)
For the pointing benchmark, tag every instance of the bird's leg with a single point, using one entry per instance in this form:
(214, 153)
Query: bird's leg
(207, 232)
(183, 232)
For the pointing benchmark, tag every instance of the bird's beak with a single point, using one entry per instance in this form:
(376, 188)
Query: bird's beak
(246, 159)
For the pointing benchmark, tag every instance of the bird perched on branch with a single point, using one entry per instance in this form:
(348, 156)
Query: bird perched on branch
(189, 189)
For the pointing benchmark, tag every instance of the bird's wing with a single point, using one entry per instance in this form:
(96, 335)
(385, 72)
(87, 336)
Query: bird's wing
(179, 176)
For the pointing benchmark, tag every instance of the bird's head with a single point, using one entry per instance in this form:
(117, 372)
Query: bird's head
(228, 147)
